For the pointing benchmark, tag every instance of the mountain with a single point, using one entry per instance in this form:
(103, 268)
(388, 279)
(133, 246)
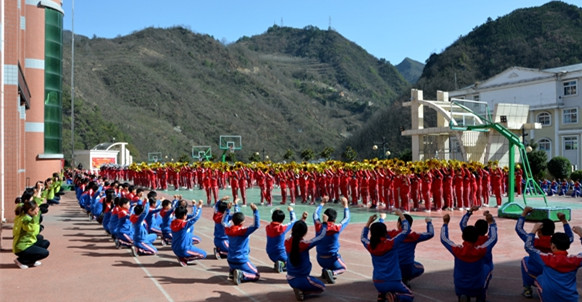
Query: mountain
(538, 37)
(410, 69)
(166, 90)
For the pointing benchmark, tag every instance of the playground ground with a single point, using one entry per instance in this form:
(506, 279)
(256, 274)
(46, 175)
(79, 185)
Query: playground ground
(84, 264)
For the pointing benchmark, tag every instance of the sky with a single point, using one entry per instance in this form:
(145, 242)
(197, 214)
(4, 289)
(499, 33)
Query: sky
(387, 29)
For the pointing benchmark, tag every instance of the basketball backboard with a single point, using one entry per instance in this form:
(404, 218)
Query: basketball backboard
(230, 142)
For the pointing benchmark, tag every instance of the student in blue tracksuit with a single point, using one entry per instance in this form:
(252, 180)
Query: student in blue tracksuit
(384, 251)
(238, 251)
(143, 242)
(557, 283)
(108, 204)
(153, 218)
(298, 263)
(530, 270)
(482, 228)
(410, 268)
(470, 272)
(167, 214)
(182, 231)
(124, 230)
(112, 226)
(276, 231)
(220, 238)
(328, 255)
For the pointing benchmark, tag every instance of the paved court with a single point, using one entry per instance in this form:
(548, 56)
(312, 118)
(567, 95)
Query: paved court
(84, 265)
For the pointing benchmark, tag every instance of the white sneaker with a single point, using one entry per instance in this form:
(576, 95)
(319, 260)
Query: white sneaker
(22, 266)
(37, 263)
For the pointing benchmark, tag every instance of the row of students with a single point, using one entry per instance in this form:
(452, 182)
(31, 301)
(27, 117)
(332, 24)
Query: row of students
(561, 187)
(473, 259)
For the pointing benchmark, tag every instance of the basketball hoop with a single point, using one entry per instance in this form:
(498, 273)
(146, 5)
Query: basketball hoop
(231, 149)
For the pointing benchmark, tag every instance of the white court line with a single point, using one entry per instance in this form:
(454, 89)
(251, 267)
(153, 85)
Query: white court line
(158, 285)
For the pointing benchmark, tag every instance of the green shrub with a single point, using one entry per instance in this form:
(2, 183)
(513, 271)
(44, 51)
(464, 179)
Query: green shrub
(559, 167)
(576, 175)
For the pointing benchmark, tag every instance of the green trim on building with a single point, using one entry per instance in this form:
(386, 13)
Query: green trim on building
(53, 81)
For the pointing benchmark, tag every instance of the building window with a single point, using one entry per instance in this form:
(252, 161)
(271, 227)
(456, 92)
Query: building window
(545, 144)
(545, 119)
(570, 143)
(570, 87)
(570, 116)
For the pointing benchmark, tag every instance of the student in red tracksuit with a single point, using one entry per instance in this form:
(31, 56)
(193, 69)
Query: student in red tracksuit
(291, 183)
(415, 182)
(448, 175)
(474, 201)
(241, 175)
(484, 186)
(335, 180)
(426, 190)
(214, 177)
(467, 190)
(404, 191)
(496, 183)
(344, 181)
(437, 189)
(233, 180)
(373, 189)
(282, 180)
(311, 187)
(207, 184)
(389, 188)
(518, 180)
(354, 190)
(269, 182)
(458, 186)
(364, 188)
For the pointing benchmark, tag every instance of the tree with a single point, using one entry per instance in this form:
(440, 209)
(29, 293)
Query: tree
(307, 154)
(405, 155)
(289, 155)
(349, 154)
(185, 158)
(576, 175)
(230, 157)
(255, 157)
(559, 167)
(327, 152)
(538, 162)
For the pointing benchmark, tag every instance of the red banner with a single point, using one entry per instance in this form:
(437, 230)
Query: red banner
(97, 162)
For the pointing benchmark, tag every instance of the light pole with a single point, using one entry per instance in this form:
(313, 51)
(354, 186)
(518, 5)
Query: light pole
(385, 153)
(73, 84)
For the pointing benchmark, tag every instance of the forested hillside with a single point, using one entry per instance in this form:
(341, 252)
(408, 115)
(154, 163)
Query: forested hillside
(284, 91)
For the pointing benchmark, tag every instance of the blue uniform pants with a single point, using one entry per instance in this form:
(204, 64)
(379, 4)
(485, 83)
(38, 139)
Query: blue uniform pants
(308, 285)
(411, 270)
(332, 262)
(250, 272)
(397, 288)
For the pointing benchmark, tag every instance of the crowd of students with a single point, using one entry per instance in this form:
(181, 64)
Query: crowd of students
(412, 186)
(136, 219)
(561, 187)
(28, 244)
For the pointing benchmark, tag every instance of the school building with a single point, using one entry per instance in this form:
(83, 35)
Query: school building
(30, 111)
(553, 100)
